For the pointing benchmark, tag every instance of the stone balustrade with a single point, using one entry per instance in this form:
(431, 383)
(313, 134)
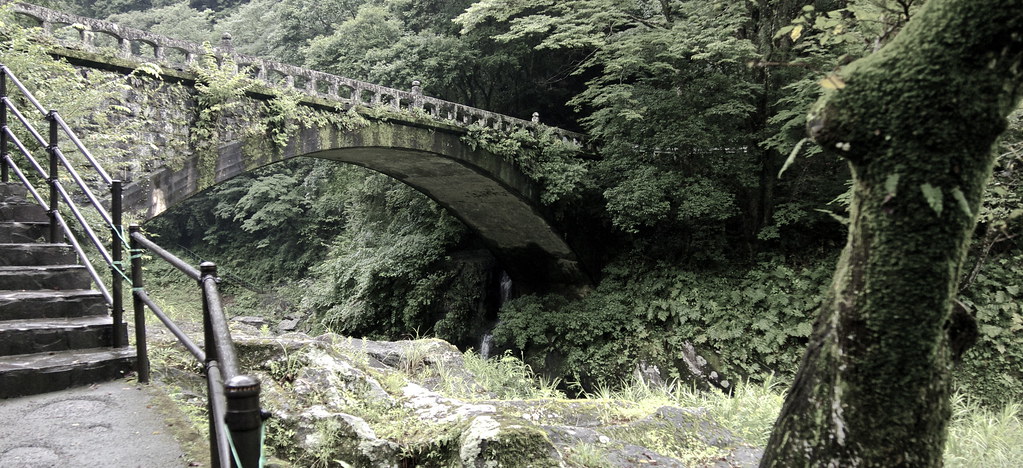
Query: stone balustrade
(96, 36)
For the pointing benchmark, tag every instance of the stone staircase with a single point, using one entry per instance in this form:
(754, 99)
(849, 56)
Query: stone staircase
(55, 332)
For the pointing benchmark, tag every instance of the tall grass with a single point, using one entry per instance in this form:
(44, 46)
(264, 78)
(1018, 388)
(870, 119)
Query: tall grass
(505, 377)
(979, 436)
(984, 437)
(749, 413)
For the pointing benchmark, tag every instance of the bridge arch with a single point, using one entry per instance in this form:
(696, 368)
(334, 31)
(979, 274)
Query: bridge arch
(487, 193)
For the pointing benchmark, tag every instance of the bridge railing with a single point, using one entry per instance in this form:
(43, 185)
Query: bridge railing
(235, 417)
(128, 43)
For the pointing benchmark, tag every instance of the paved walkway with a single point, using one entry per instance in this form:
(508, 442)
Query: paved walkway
(113, 424)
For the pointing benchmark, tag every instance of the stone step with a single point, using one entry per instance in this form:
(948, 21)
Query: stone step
(16, 305)
(22, 212)
(36, 254)
(59, 277)
(17, 233)
(27, 336)
(30, 374)
(13, 189)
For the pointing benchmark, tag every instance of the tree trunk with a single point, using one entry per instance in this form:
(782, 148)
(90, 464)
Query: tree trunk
(916, 121)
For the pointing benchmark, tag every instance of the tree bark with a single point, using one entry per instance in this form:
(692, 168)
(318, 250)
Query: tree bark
(916, 122)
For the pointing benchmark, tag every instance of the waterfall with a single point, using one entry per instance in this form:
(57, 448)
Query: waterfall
(506, 289)
(485, 345)
(504, 293)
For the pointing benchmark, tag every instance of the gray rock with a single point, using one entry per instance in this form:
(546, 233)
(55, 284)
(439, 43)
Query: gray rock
(287, 325)
(250, 320)
(647, 373)
(330, 436)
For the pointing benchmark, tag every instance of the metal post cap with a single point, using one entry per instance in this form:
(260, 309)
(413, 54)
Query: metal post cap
(242, 385)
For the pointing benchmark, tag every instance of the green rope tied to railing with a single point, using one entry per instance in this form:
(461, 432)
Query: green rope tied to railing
(262, 446)
(119, 267)
(120, 235)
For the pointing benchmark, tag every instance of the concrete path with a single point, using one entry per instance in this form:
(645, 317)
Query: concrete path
(111, 424)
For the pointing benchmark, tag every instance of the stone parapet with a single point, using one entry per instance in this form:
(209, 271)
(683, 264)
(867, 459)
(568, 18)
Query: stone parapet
(142, 46)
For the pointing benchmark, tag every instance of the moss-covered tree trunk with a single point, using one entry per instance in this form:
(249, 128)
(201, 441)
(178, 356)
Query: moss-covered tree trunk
(916, 121)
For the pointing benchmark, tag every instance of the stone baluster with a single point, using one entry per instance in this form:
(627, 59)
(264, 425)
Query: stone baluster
(158, 52)
(417, 94)
(88, 37)
(311, 84)
(289, 81)
(226, 44)
(47, 27)
(123, 47)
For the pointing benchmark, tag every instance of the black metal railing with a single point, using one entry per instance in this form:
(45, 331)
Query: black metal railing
(235, 417)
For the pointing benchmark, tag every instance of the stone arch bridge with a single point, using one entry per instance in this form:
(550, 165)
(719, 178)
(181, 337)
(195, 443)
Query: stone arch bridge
(413, 138)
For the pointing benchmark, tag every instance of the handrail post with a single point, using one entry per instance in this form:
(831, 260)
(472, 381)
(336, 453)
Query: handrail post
(209, 270)
(5, 171)
(55, 236)
(244, 418)
(139, 307)
(117, 269)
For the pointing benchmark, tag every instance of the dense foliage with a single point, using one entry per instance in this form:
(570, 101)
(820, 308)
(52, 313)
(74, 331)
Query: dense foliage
(711, 222)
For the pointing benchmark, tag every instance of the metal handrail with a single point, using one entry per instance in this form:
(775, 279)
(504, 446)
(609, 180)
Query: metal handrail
(230, 278)
(168, 257)
(81, 147)
(233, 398)
(24, 91)
(24, 121)
(70, 169)
(67, 232)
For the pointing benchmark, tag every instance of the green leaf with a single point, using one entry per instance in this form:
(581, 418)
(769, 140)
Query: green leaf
(783, 31)
(792, 156)
(891, 184)
(963, 204)
(841, 219)
(933, 196)
(796, 32)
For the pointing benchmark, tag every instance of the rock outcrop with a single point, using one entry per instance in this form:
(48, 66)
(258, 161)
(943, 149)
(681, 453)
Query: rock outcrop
(347, 402)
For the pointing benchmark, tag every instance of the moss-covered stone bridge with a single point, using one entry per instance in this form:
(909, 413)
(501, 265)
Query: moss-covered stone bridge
(413, 138)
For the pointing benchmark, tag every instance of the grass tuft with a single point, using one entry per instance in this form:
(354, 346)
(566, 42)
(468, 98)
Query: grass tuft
(505, 377)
